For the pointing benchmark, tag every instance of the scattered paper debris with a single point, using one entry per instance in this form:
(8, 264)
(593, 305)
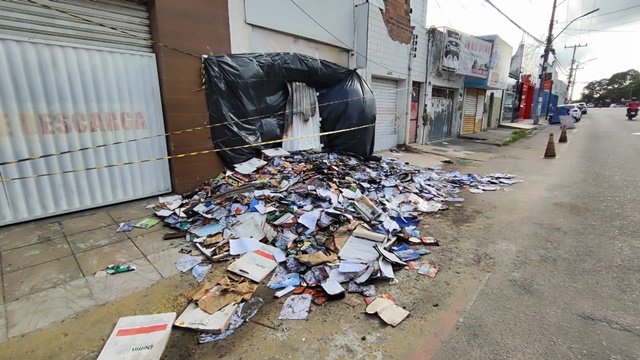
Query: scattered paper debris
(139, 338)
(388, 311)
(296, 307)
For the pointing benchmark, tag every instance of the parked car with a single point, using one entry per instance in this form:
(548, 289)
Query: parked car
(590, 105)
(617, 105)
(574, 111)
(583, 107)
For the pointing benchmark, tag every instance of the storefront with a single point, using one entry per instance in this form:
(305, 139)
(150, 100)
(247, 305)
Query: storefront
(76, 96)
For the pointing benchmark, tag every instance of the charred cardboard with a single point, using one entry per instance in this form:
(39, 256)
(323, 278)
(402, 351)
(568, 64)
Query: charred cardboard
(197, 319)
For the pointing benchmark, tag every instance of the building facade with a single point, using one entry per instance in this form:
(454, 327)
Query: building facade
(396, 68)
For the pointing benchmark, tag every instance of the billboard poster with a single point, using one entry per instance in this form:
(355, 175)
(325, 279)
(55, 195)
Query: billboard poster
(500, 64)
(466, 55)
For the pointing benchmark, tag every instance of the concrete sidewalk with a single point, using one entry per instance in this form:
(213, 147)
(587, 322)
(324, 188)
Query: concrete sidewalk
(48, 265)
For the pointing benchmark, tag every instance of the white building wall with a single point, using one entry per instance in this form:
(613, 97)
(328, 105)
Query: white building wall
(247, 38)
(391, 59)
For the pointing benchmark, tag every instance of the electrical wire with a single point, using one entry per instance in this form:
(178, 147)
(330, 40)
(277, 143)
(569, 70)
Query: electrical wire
(512, 21)
(337, 38)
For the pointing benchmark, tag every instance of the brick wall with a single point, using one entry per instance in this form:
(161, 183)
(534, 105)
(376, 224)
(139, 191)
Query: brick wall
(397, 19)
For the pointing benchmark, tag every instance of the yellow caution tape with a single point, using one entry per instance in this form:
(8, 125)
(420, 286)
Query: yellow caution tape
(186, 154)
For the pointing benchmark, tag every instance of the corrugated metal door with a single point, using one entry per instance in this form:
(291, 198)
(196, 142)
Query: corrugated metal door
(479, 110)
(38, 22)
(57, 94)
(386, 95)
(469, 111)
(441, 113)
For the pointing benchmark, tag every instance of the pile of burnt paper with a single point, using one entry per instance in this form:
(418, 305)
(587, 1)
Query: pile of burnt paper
(319, 224)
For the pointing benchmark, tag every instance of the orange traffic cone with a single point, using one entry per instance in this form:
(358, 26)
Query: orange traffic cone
(550, 152)
(563, 135)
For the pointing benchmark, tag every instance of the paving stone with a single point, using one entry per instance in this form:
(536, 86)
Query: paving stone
(165, 262)
(3, 326)
(95, 238)
(86, 222)
(48, 307)
(15, 236)
(31, 280)
(35, 254)
(153, 243)
(99, 258)
(113, 287)
(133, 210)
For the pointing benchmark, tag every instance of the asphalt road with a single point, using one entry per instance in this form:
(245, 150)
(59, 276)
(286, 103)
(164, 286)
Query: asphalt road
(565, 276)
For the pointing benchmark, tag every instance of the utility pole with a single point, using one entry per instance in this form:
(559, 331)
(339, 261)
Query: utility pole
(570, 78)
(573, 84)
(545, 59)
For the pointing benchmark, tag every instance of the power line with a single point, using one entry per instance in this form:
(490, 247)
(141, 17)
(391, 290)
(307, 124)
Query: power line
(337, 38)
(513, 22)
(446, 18)
(609, 13)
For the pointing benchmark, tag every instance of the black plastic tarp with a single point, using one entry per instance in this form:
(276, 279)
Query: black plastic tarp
(247, 95)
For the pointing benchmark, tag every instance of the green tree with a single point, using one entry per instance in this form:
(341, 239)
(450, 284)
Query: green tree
(619, 86)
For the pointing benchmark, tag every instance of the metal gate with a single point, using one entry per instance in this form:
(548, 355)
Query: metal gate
(77, 92)
(386, 95)
(473, 111)
(441, 113)
(469, 111)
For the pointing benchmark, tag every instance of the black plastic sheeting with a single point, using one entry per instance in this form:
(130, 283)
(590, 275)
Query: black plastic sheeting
(247, 95)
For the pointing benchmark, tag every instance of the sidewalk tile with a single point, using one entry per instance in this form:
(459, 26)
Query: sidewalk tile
(130, 211)
(139, 231)
(3, 325)
(99, 258)
(85, 223)
(95, 238)
(165, 261)
(48, 307)
(12, 237)
(153, 243)
(31, 255)
(113, 287)
(41, 277)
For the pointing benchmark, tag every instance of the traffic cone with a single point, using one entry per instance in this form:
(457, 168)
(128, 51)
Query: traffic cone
(563, 135)
(550, 152)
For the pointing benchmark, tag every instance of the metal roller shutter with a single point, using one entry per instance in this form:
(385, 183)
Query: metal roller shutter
(386, 94)
(479, 110)
(469, 111)
(65, 85)
(25, 19)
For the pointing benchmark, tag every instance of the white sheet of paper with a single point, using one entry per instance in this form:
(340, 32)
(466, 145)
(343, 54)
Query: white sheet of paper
(243, 245)
(169, 198)
(164, 213)
(296, 307)
(351, 266)
(248, 229)
(284, 291)
(386, 270)
(129, 341)
(332, 287)
(359, 249)
(338, 276)
(261, 208)
(211, 228)
(310, 219)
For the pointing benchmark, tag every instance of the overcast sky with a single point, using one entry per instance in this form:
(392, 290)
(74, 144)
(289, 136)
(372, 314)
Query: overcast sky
(609, 36)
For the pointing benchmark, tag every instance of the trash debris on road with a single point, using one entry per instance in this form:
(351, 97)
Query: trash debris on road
(139, 337)
(387, 310)
(125, 227)
(117, 269)
(296, 307)
(312, 226)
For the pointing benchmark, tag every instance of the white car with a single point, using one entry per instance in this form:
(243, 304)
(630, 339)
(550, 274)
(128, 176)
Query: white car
(574, 111)
(617, 105)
